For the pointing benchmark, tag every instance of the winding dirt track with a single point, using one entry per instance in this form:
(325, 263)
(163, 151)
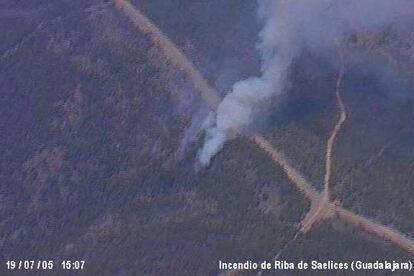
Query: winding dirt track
(321, 210)
(336, 129)
(208, 94)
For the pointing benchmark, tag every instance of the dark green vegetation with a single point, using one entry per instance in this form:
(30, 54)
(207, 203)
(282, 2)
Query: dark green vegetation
(91, 123)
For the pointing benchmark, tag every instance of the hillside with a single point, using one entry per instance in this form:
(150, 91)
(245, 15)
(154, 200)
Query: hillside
(99, 138)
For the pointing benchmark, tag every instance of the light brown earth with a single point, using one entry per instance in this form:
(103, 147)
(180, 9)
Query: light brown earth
(319, 209)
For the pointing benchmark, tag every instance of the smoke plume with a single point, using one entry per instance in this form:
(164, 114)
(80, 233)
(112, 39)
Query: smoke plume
(290, 26)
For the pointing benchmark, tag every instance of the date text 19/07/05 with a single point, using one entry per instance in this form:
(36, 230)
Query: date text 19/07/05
(44, 264)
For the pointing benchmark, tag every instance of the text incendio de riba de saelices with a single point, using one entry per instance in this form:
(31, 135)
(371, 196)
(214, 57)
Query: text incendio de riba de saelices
(355, 265)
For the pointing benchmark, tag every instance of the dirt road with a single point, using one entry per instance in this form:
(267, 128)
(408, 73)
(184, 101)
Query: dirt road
(320, 210)
(334, 133)
(379, 230)
(290, 172)
(170, 51)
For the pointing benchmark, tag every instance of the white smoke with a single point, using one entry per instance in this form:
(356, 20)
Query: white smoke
(289, 26)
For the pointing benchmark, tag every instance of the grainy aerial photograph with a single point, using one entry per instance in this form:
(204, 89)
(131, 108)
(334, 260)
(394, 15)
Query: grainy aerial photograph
(206, 137)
